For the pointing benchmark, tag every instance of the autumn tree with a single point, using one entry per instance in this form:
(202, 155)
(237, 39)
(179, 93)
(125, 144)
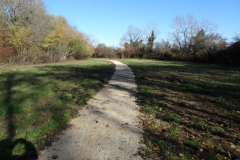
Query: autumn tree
(129, 51)
(27, 23)
(20, 39)
(64, 41)
(7, 51)
(79, 45)
(37, 36)
(104, 51)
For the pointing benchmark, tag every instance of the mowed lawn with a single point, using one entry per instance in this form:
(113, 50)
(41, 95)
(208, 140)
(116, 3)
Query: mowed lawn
(38, 101)
(192, 111)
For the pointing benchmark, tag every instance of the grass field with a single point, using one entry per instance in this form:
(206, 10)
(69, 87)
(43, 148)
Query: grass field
(192, 111)
(38, 101)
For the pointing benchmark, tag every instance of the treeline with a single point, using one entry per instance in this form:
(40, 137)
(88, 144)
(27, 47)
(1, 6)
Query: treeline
(28, 34)
(189, 40)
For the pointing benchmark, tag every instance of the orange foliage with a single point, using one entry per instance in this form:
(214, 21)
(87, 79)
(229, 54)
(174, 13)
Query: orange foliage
(6, 50)
(129, 50)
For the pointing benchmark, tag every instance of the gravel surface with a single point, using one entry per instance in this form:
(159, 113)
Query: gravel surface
(108, 127)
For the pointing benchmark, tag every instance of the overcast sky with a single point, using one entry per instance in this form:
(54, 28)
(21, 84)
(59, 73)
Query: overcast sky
(108, 20)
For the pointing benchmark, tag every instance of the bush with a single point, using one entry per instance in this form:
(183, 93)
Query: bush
(230, 55)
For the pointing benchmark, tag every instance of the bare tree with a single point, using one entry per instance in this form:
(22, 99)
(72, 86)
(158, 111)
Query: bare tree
(185, 28)
(21, 11)
(236, 38)
(91, 40)
(134, 38)
(133, 34)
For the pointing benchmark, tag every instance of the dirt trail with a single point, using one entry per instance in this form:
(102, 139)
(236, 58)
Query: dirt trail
(107, 127)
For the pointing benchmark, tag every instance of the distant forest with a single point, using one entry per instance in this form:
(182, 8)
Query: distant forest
(191, 40)
(28, 34)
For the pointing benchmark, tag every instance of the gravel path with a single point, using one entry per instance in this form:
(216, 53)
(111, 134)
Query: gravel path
(107, 127)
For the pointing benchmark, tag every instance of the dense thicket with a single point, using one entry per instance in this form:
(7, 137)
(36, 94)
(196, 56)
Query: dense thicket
(229, 55)
(28, 34)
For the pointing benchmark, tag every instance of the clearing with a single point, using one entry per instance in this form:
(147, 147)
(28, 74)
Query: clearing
(38, 101)
(192, 111)
(107, 127)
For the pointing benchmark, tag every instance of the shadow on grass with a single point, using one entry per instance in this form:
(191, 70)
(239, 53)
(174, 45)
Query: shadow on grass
(7, 145)
(37, 103)
(171, 145)
(200, 98)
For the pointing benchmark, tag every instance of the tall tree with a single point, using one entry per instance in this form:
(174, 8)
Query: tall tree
(7, 51)
(21, 11)
(150, 42)
(200, 41)
(27, 23)
(21, 39)
(133, 37)
(133, 34)
(64, 40)
(185, 28)
(34, 34)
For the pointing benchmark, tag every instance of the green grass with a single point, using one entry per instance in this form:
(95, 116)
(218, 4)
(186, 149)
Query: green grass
(38, 101)
(169, 116)
(175, 131)
(192, 110)
(150, 108)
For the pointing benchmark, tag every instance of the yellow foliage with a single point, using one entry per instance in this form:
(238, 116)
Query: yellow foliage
(55, 36)
(20, 37)
(66, 39)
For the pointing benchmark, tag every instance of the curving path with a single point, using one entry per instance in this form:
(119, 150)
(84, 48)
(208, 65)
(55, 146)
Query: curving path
(107, 127)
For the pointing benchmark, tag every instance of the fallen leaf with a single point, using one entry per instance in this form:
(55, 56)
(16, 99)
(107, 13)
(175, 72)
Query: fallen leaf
(229, 154)
(181, 155)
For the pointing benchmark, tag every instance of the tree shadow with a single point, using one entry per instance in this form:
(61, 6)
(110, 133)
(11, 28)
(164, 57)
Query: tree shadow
(17, 88)
(7, 145)
(204, 96)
